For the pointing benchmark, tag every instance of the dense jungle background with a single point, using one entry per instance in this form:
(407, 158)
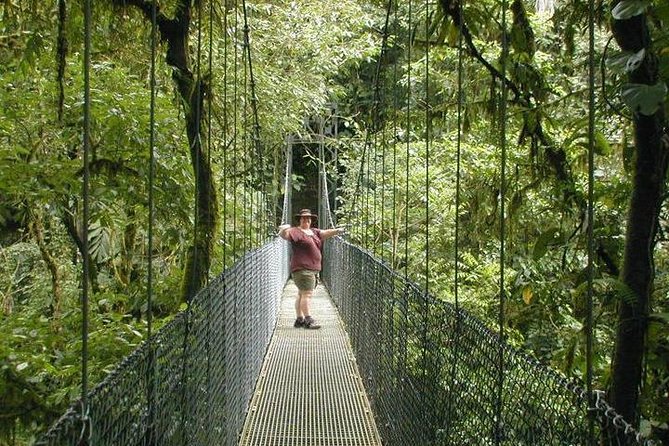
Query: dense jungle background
(216, 194)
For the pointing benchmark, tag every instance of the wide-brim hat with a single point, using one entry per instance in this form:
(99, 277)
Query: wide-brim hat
(306, 213)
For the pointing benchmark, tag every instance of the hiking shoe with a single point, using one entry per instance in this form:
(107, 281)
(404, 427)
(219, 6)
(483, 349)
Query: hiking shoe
(310, 323)
(299, 322)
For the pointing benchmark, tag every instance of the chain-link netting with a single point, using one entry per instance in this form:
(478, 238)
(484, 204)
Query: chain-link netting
(191, 385)
(433, 374)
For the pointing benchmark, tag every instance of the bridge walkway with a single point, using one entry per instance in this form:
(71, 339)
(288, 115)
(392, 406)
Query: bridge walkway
(309, 392)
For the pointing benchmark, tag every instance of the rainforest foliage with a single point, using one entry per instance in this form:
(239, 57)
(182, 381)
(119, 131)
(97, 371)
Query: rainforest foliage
(222, 112)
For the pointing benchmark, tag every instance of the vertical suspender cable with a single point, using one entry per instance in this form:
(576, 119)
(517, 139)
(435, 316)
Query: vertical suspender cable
(458, 191)
(382, 185)
(150, 440)
(372, 130)
(247, 164)
(287, 183)
(209, 136)
(426, 299)
(319, 147)
(502, 230)
(591, 216)
(374, 168)
(85, 432)
(408, 145)
(226, 130)
(245, 143)
(257, 148)
(427, 147)
(321, 172)
(396, 106)
(247, 208)
(195, 276)
(384, 49)
(458, 173)
(198, 146)
(235, 111)
(328, 221)
(236, 320)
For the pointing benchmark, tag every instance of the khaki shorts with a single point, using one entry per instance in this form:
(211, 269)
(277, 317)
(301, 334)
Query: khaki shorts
(305, 279)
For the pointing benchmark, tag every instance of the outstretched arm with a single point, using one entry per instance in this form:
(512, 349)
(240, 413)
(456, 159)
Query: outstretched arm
(327, 233)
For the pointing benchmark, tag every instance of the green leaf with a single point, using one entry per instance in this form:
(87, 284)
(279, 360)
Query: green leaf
(627, 9)
(660, 317)
(544, 241)
(602, 146)
(644, 99)
(621, 289)
(617, 62)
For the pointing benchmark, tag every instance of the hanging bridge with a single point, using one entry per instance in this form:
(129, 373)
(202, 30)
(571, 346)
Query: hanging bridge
(393, 365)
(431, 372)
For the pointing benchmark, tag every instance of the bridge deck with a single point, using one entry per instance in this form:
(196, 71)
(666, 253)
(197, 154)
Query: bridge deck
(309, 392)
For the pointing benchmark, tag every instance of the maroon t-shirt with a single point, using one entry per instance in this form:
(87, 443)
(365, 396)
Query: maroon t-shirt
(306, 249)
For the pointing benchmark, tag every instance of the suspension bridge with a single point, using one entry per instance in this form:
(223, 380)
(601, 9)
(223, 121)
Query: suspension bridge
(430, 372)
(392, 365)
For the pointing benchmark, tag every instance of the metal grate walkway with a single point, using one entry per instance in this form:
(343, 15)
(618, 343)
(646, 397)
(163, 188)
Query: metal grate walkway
(309, 392)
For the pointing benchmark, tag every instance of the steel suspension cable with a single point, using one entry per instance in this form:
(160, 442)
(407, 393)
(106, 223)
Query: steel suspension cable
(404, 303)
(427, 148)
(208, 288)
(458, 193)
(396, 106)
(86, 426)
(226, 131)
(408, 144)
(372, 130)
(502, 228)
(235, 111)
(373, 180)
(383, 191)
(151, 203)
(247, 203)
(254, 105)
(195, 273)
(197, 143)
(323, 175)
(287, 183)
(591, 218)
(237, 177)
(426, 166)
(386, 32)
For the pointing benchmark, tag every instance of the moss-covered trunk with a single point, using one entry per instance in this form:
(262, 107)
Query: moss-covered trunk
(648, 184)
(198, 260)
(175, 32)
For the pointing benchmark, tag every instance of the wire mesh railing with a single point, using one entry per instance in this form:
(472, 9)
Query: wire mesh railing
(192, 383)
(432, 373)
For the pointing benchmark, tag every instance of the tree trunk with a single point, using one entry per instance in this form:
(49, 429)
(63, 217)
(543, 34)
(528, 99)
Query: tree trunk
(37, 230)
(191, 92)
(71, 228)
(198, 260)
(650, 171)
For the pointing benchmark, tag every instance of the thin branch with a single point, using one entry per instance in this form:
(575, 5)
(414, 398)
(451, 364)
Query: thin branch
(452, 9)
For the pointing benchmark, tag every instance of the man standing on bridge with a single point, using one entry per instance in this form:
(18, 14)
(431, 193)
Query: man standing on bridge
(305, 263)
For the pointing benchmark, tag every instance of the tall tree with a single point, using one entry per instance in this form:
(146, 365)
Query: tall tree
(175, 33)
(644, 95)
